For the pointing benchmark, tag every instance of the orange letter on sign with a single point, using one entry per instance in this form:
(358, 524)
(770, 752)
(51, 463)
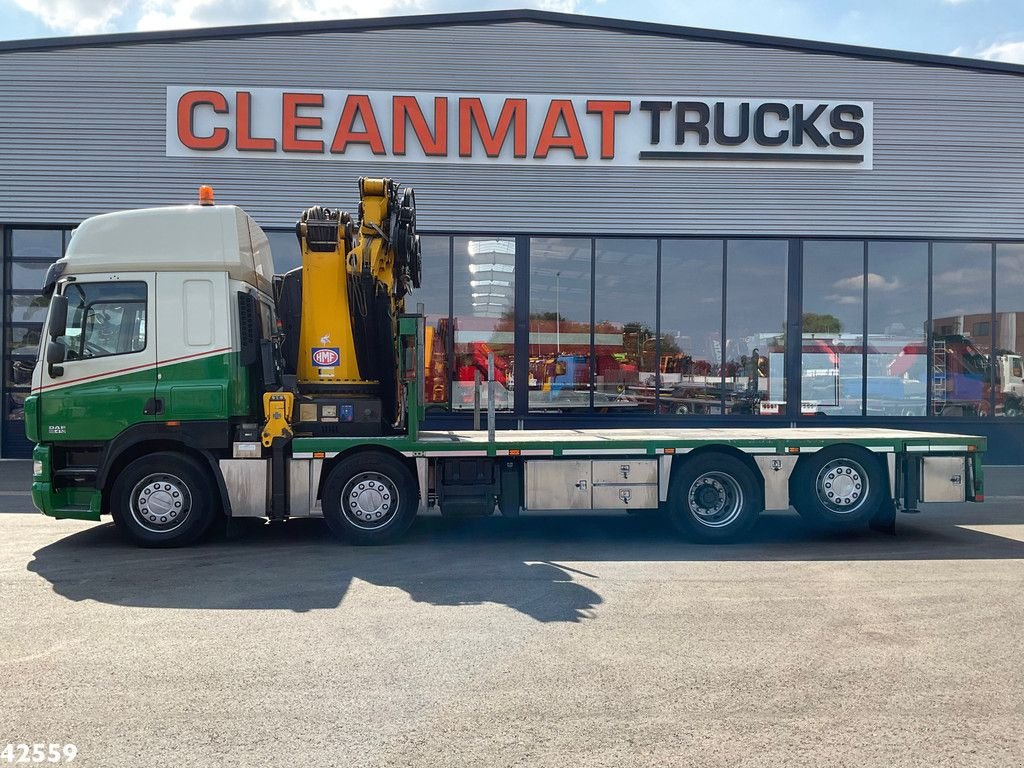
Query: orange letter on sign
(408, 107)
(513, 115)
(608, 110)
(357, 106)
(243, 127)
(186, 120)
(561, 109)
(292, 121)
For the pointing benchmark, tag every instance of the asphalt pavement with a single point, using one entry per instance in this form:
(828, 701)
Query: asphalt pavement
(591, 641)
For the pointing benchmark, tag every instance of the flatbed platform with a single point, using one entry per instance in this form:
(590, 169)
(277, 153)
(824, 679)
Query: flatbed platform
(579, 442)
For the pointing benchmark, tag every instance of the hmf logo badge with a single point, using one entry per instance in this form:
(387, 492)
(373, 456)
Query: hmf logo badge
(326, 357)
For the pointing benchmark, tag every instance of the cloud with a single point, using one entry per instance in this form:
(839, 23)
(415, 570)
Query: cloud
(836, 298)
(875, 283)
(81, 17)
(1010, 51)
(184, 14)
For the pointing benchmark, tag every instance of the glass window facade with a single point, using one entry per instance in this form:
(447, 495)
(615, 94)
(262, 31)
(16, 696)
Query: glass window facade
(483, 318)
(690, 354)
(755, 326)
(560, 374)
(1009, 331)
(897, 326)
(961, 303)
(675, 330)
(28, 254)
(625, 324)
(832, 327)
(435, 298)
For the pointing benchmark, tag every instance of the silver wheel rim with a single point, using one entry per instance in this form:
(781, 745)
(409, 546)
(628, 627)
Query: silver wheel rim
(715, 499)
(160, 502)
(370, 501)
(842, 486)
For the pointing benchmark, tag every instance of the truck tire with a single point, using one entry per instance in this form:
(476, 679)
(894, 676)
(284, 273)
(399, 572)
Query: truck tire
(713, 498)
(839, 487)
(163, 500)
(369, 498)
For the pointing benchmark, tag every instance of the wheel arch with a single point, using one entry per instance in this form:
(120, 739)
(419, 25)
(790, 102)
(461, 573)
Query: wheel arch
(804, 494)
(130, 451)
(680, 460)
(329, 464)
(848, 449)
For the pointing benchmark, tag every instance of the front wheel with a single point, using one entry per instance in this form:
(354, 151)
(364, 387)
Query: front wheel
(713, 498)
(369, 498)
(163, 500)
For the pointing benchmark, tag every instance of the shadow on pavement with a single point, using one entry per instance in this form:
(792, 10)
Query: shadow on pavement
(527, 564)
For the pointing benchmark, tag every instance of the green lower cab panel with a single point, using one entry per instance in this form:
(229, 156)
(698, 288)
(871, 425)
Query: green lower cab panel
(100, 408)
(67, 503)
(32, 417)
(71, 503)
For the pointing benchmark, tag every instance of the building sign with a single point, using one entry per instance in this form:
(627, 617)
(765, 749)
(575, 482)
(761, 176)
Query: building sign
(478, 128)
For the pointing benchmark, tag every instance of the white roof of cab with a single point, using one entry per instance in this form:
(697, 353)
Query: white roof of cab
(185, 238)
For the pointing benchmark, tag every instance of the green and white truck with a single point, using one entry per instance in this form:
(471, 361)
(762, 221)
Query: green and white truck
(160, 398)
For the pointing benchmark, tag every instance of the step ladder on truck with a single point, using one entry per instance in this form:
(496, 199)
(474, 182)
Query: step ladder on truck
(195, 385)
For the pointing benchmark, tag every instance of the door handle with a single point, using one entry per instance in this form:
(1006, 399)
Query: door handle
(154, 406)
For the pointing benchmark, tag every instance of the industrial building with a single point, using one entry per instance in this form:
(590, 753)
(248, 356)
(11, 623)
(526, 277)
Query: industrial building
(643, 224)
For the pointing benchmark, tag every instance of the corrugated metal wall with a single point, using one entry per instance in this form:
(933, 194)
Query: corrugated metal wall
(82, 131)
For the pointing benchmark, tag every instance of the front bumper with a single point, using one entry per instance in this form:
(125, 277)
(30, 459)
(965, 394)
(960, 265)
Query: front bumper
(61, 503)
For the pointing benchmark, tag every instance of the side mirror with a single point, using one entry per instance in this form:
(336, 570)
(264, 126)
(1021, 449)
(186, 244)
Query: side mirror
(56, 353)
(58, 318)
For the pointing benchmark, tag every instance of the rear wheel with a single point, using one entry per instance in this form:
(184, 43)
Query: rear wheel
(370, 498)
(713, 498)
(838, 487)
(163, 500)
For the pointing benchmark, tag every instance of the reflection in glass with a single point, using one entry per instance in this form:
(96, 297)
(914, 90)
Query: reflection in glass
(483, 314)
(23, 341)
(625, 319)
(28, 275)
(32, 252)
(559, 372)
(897, 323)
(19, 372)
(37, 244)
(28, 309)
(284, 248)
(15, 407)
(1009, 340)
(691, 326)
(755, 326)
(433, 295)
(832, 359)
(961, 328)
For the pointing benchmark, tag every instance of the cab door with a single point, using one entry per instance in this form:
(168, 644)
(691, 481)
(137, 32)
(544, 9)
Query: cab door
(107, 381)
(196, 365)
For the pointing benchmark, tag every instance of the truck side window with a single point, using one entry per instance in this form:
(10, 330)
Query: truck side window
(105, 319)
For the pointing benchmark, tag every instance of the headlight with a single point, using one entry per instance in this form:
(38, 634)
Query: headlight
(37, 468)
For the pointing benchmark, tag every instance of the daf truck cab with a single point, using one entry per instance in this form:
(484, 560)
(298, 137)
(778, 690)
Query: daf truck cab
(146, 369)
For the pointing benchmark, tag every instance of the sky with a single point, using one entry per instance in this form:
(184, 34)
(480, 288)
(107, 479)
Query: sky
(988, 29)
